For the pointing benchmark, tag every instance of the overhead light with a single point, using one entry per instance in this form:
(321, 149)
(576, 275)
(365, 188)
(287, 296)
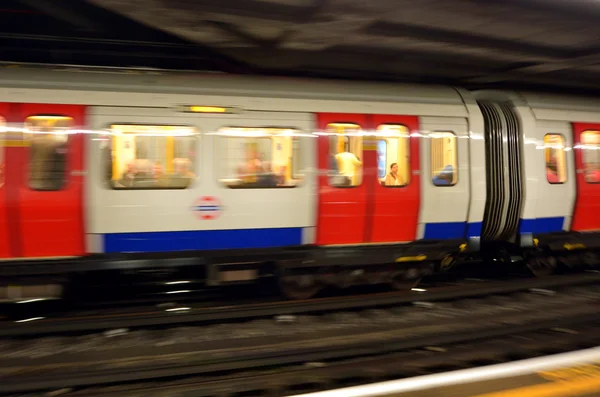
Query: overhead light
(208, 109)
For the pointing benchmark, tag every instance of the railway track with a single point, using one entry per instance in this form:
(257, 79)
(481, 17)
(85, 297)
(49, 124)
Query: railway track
(434, 326)
(195, 313)
(318, 376)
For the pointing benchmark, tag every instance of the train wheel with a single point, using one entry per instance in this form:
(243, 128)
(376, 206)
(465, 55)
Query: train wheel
(401, 282)
(299, 287)
(542, 266)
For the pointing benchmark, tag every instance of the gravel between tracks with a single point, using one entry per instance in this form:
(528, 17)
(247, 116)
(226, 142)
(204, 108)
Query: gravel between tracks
(406, 320)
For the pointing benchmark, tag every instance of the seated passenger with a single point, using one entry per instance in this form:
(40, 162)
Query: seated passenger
(281, 176)
(348, 166)
(160, 177)
(183, 176)
(144, 177)
(157, 170)
(392, 178)
(445, 177)
(248, 172)
(267, 178)
(128, 177)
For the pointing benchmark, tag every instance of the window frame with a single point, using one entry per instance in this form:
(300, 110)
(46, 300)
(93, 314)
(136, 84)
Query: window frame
(2, 150)
(564, 154)
(386, 152)
(347, 138)
(217, 146)
(431, 176)
(197, 136)
(409, 152)
(66, 177)
(597, 132)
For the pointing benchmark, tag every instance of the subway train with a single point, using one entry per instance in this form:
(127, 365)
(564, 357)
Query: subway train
(314, 182)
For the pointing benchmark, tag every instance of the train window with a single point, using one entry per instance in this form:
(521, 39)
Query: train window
(145, 156)
(444, 159)
(556, 160)
(345, 153)
(48, 138)
(255, 158)
(2, 133)
(393, 155)
(590, 146)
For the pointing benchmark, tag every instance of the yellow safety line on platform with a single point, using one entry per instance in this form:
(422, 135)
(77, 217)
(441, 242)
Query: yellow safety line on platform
(571, 388)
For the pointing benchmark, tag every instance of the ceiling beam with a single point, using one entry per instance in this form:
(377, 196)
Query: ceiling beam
(546, 67)
(64, 11)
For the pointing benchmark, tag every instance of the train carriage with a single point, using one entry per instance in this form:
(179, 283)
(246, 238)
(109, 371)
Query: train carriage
(246, 176)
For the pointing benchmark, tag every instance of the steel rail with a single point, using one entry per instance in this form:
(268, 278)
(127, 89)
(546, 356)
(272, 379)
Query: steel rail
(243, 312)
(189, 359)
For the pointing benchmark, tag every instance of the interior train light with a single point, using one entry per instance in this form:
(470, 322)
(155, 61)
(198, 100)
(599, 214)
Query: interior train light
(49, 118)
(344, 125)
(208, 109)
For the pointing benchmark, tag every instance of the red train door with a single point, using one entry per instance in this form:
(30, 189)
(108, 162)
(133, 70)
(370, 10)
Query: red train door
(342, 202)
(395, 208)
(586, 215)
(4, 229)
(50, 181)
(360, 209)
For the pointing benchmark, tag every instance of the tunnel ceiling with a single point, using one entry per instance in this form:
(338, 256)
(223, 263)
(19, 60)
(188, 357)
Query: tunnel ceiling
(551, 44)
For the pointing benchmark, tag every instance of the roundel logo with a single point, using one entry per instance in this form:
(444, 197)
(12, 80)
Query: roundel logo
(207, 207)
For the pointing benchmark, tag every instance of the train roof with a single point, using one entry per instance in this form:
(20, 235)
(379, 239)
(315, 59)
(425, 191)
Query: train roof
(203, 83)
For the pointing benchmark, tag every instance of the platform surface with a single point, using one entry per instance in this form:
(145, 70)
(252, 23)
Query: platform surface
(574, 374)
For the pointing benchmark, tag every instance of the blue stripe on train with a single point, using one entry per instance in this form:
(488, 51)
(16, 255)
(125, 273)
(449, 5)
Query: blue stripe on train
(281, 237)
(444, 230)
(450, 230)
(202, 240)
(542, 225)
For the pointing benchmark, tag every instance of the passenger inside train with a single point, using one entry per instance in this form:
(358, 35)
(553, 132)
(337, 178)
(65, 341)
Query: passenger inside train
(137, 154)
(445, 177)
(590, 141)
(392, 178)
(554, 148)
(443, 159)
(258, 158)
(345, 147)
(48, 137)
(552, 171)
(348, 166)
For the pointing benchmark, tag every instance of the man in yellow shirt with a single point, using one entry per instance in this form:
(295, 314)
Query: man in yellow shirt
(348, 165)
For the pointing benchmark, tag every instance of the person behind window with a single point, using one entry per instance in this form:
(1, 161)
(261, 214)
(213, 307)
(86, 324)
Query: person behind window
(128, 177)
(392, 178)
(267, 178)
(445, 177)
(159, 174)
(592, 172)
(552, 171)
(252, 167)
(183, 176)
(157, 170)
(281, 176)
(48, 160)
(348, 166)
